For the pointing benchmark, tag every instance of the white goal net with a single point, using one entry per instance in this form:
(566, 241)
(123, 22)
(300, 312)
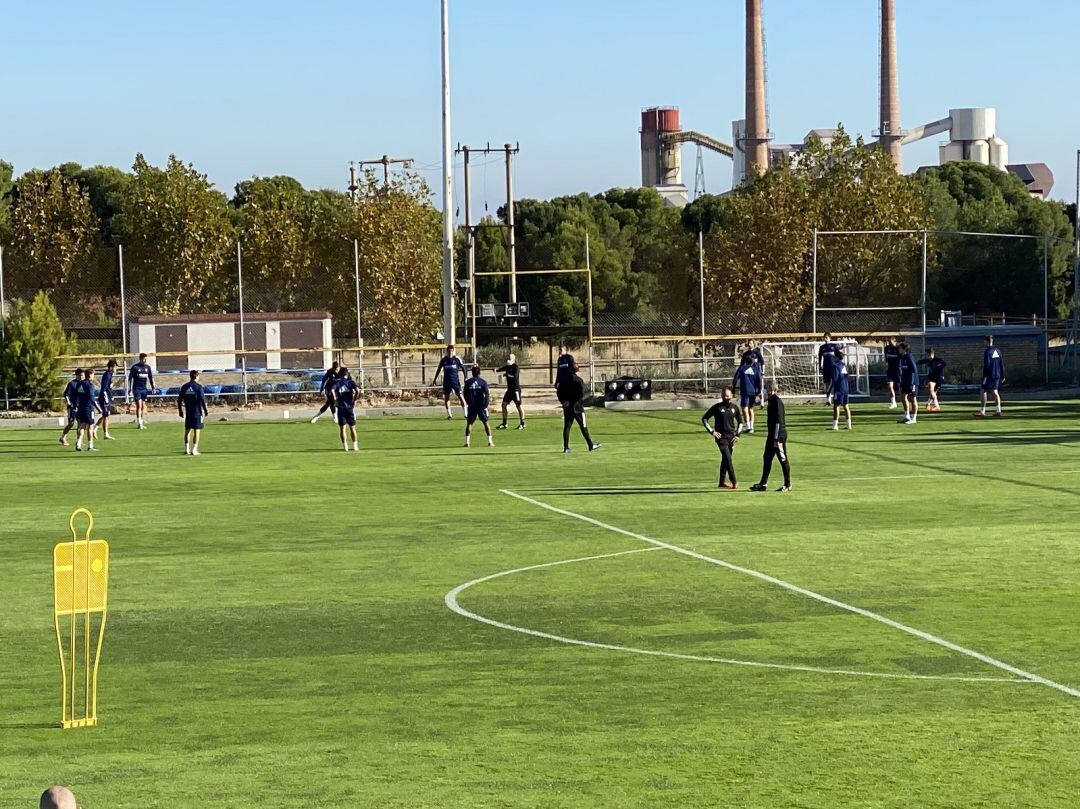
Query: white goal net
(795, 368)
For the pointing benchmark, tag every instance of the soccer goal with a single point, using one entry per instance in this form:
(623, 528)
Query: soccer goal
(795, 367)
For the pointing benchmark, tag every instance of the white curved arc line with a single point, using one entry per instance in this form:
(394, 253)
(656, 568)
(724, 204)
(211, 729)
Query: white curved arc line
(451, 600)
(874, 616)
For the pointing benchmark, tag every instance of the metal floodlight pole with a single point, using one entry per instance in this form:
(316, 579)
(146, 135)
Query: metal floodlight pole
(813, 294)
(447, 185)
(243, 345)
(470, 295)
(123, 317)
(511, 243)
(3, 318)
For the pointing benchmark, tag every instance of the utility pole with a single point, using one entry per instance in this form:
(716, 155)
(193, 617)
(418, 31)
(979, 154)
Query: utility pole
(470, 234)
(385, 161)
(511, 242)
(353, 187)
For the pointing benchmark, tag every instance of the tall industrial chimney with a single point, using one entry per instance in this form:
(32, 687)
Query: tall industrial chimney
(756, 142)
(890, 132)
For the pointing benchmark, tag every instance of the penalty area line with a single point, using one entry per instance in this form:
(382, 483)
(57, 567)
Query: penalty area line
(794, 588)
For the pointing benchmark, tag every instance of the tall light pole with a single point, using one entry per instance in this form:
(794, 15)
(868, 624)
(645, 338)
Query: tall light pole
(448, 185)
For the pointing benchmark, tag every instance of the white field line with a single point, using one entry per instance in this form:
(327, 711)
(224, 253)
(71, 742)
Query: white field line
(451, 600)
(991, 661)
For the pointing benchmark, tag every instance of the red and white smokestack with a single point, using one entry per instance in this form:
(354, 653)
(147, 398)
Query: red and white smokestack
(756, 142)
(890, 132)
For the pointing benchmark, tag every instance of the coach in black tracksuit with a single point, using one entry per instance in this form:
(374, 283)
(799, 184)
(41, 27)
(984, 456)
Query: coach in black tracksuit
(571, 392)
(776, 440)
(725, 426)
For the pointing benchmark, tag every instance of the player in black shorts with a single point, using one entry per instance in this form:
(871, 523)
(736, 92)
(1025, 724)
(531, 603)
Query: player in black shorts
(326, 387)
(513, 391)
(892, 370)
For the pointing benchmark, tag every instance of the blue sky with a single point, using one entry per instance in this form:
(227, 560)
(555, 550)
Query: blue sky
(256, 88)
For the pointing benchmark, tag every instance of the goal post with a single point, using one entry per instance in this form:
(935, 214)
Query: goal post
(794, 366)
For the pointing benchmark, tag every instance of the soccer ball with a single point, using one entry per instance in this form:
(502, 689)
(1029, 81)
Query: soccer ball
(636, 397)
(620, 397)
(628, 385)
(612, 386)
(644, 384)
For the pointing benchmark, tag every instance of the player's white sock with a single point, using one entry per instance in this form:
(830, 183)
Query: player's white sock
(356, 446)
(982, 409)
(78, 443)
(187, 448)
(491, 441)
(467, 440)
(195, 450)
(849, 424)
(345, 445)
(999, 408)
(836, 424)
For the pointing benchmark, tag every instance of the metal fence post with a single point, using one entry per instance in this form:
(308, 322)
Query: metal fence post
(1046, 309)
(701, 279)
(922, 295)
(813, 294)
(243, 345)
(588, 294)
(359, 336)
(123, 318)
(3, 319)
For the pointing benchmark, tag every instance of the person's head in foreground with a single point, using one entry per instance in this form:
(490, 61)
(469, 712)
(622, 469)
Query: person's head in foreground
(476, 370)
(57, 798)
(828, 337)
(989, 339)
(342, 372)
(194, 375)
(771, 387)
(903, 348)
(510, 359)
(449, 351)
(929, 353)
(725, 395)
(838, 354)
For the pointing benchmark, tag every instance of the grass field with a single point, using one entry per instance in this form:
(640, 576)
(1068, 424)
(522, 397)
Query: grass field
(280, 634)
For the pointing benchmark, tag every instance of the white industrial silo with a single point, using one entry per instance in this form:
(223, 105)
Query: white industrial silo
(979, 152)
(968, 124)
(948, 152)
(999, 153)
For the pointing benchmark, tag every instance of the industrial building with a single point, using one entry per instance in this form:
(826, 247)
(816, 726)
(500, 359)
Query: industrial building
(972, 132)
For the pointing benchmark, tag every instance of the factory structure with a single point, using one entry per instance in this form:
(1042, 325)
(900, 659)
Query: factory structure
(972, 132)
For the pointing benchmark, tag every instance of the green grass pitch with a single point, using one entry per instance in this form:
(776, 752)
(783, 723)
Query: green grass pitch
(279, 634)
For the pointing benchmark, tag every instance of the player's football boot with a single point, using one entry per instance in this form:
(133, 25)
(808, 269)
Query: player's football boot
(521, 426)
(501, 427)
(979, 415)
(784, 489)
(594, 447)
(759, 487)
(998, 414)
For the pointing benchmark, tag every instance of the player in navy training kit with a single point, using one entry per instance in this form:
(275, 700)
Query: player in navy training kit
(748, 382)
(775, 442)
(571, 393)
(839, 390)
(85, 407)
(892, 369)
(141, 382)
(564, 367)
(69, 403)
(826, 354)
(935, 377)
(993, 377)
(344, 390)
(191, 404)
(105, 397)
(909, 385)
(450, 366)
(725, 428)
(325, 388)
(477, 397)
(513, 391)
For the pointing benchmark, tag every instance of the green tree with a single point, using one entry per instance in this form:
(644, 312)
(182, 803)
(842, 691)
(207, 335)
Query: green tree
(178, 238)
(55, 232)
(105, 186)
(30, 358)
(400, 246)
(6, 187)
(983, 274)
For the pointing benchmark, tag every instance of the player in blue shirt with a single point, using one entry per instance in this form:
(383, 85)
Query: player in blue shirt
(105, 397)
(513, 391)
(450, 366)
(344, 390)
(85, 408)
(909, 385)
(839, 390)
(933, 367)
(478, 397)
(325, 388)
(140, 383)
(564, 368)
(892, 369)
(69, 404)
(826, 356)
(192, 406)
(993, 377)
(748, 382)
